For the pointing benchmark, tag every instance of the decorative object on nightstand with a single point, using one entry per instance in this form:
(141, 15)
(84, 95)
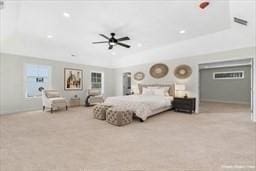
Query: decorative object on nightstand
(184, 104)
(180, 90)
(74, 101)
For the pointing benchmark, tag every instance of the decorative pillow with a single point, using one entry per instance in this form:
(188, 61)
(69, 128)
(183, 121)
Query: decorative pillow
(147, 91)
(166, 90)
(52, 94)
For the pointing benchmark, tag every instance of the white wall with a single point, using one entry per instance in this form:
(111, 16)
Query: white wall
(192, 83)
(12, 95)
(254, 89)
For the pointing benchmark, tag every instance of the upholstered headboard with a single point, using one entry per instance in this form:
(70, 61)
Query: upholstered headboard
(171, 89)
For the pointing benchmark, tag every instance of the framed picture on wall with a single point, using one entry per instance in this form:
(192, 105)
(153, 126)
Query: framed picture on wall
(73, 79)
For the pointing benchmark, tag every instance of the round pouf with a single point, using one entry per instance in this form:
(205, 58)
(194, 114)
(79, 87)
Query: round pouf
(99, 111)
(118, 116)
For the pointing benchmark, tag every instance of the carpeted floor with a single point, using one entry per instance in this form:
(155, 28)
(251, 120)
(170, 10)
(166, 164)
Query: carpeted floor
(74, 141)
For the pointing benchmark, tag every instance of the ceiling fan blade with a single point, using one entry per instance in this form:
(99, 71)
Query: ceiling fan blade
(124, 45)
(104, 36)
(110, 47)
(100, 42)
(123, 39)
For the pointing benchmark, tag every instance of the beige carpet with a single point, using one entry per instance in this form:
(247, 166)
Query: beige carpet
(74, 141)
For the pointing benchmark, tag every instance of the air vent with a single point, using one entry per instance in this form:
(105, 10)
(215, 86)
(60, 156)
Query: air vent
(240, 21)
(1, 5)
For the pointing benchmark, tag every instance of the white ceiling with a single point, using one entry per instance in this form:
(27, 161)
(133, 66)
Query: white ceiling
(25, 26)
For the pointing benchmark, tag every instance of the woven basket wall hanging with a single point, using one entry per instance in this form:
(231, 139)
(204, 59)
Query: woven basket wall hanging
(183, 71)
(159, 70)
(138, 76)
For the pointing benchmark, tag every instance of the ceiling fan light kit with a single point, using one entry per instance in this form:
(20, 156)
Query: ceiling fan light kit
(112, 41)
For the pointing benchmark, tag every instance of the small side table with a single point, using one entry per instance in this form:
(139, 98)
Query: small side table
(184, 104)
(74, 102)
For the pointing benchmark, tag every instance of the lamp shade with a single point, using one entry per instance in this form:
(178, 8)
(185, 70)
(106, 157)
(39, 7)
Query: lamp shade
(180, 87)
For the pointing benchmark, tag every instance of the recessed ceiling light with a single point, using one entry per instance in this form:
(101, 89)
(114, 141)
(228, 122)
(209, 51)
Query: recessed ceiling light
(139, 44)
(49, 36)
(67, 15)
(182, 31)
(113, 53)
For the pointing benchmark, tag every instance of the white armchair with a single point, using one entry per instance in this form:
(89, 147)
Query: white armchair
(52, 99)
(94, 97)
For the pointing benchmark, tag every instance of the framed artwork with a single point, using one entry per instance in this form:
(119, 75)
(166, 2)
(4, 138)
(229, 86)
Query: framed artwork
(73, 79)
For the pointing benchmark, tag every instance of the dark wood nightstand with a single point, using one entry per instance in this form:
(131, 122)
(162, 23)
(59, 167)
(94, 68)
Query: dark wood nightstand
(184, 104)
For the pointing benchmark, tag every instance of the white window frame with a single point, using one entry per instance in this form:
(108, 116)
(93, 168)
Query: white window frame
(25, 79)
(102, 80)
(228, 78)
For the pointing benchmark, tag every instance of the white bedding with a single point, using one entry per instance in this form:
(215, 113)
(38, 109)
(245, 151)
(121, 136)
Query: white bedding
(142, 105)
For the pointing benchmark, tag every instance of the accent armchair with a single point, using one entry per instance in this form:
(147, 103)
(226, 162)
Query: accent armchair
(94, 97)
(52, 99)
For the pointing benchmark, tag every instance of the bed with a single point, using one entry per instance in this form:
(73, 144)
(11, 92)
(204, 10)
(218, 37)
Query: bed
(145, 104)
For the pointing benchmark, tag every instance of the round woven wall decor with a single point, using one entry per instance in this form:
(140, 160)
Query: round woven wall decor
(183, 71)
(139, 76)
(159, 70)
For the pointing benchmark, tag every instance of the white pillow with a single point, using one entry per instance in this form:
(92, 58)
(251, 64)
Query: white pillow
(147, 91)
(159, 92)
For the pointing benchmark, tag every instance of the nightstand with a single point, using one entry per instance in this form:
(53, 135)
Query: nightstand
(184, 104)
(74, 102)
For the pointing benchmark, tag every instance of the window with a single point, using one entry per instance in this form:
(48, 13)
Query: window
(229, 75)
(97, 80)
(37, 78)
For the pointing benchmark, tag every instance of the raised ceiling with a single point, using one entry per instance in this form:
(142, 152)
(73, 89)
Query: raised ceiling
(39, 28)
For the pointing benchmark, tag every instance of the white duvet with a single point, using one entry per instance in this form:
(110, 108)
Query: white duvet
(142, 105)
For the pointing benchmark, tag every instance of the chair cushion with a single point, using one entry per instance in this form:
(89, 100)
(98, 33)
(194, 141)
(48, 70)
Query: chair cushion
(96, 99)
(52, 94)
(57, 100)
(94, 92)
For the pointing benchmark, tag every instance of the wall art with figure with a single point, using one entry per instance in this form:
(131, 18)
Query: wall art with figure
(73, 79)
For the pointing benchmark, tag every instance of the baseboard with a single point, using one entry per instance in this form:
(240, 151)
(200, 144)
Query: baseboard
(18, 111)
(223, 101)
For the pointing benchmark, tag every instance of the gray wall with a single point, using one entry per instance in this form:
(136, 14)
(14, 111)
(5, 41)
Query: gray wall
(12, 84)
(225, 90)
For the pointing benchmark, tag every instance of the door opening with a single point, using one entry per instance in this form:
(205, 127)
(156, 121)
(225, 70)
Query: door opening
(127, 83)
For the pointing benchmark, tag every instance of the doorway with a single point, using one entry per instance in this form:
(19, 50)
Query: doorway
(226, 87)
(127, 83)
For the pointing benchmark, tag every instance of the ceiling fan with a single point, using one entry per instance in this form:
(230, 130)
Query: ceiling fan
(112, 41)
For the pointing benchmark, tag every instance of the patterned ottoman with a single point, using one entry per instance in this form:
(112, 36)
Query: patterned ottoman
(99, 111)
(118, 116)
